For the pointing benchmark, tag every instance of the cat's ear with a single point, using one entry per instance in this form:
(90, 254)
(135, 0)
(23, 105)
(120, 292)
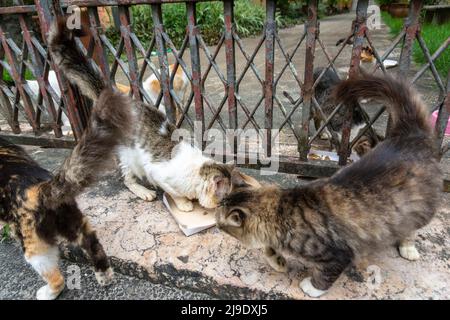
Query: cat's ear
(222, 187)
(241, 180)
(236, 218)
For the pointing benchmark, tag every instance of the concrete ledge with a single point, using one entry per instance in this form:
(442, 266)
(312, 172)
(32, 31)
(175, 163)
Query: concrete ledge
(144, 241)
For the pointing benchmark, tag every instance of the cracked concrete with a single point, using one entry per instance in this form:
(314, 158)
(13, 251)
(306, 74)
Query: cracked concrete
(146, 234)
(145, 242)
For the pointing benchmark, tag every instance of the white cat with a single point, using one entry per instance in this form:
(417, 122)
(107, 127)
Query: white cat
(149, 153)
(53, 81)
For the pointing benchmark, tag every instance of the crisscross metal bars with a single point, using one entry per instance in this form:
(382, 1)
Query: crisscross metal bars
(133, 59)
(411, 32)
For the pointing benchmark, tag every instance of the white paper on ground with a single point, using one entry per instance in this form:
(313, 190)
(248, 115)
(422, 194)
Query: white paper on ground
(388, 63)
(193, 221)
(200, 218)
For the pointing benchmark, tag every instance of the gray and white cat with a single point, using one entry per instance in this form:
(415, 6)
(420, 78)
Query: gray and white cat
(149, 154)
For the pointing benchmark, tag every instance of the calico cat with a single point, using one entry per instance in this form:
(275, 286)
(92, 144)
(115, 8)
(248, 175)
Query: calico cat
(41, 208)
(149, 153)
(378, 201)
(180, 86)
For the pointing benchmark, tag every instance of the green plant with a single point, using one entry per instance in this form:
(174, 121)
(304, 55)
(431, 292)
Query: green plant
(5, 233)
(8, 79)
(433, 35)
(249, 21)
(395, 24)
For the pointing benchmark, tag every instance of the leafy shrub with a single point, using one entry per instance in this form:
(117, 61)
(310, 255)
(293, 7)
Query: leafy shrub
(8, 79)
(249, 21)
(433, 35)
(5, 233)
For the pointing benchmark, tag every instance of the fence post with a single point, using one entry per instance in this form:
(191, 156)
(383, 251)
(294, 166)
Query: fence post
(11, 111)
(311, 28)
(359, 29)
(125, 30)
(69, 96)
(163, 62)
(269, 73)
(231, 66)
(39, 74)
(411, 28)
(102, 56)
(196, 71)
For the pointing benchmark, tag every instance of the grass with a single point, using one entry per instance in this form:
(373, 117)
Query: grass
(433, 35)
(5, 233)
(395, 24)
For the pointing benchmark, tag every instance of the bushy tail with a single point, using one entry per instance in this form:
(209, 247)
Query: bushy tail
(72, 61)
(407, 109)
(109, 122)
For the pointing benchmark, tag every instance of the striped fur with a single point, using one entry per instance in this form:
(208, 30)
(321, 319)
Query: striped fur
(149, 154)
(378, 201)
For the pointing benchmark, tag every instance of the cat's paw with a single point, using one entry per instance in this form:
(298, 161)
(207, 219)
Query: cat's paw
(409, 252)
(278, 263)
(144, 193)
(185, 205)
(105, 278)
(308, 288)
(46, 293)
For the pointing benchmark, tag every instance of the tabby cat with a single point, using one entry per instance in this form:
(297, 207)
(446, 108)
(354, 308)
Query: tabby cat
(41, 208)
(323, 93)
(380, 200)
(149, 154)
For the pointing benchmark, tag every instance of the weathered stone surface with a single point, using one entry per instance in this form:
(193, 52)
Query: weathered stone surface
(145, 241)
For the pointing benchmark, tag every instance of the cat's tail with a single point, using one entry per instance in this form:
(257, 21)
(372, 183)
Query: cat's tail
(109, 123)
(71, 60)
(409, 113)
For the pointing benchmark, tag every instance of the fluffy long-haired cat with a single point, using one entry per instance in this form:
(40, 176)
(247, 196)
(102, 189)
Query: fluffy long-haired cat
(378, 201)
(41, 207)
(323, 93)
(149, 154)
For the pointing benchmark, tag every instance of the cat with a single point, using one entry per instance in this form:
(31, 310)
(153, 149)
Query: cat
(152, 87)
(53, 82)
(367, 54)
(149, 154)
(41, 208)
(323, 91)
(180, 85)
(377, 201)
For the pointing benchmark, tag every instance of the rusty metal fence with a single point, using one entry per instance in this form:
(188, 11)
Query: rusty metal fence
(231, 111)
